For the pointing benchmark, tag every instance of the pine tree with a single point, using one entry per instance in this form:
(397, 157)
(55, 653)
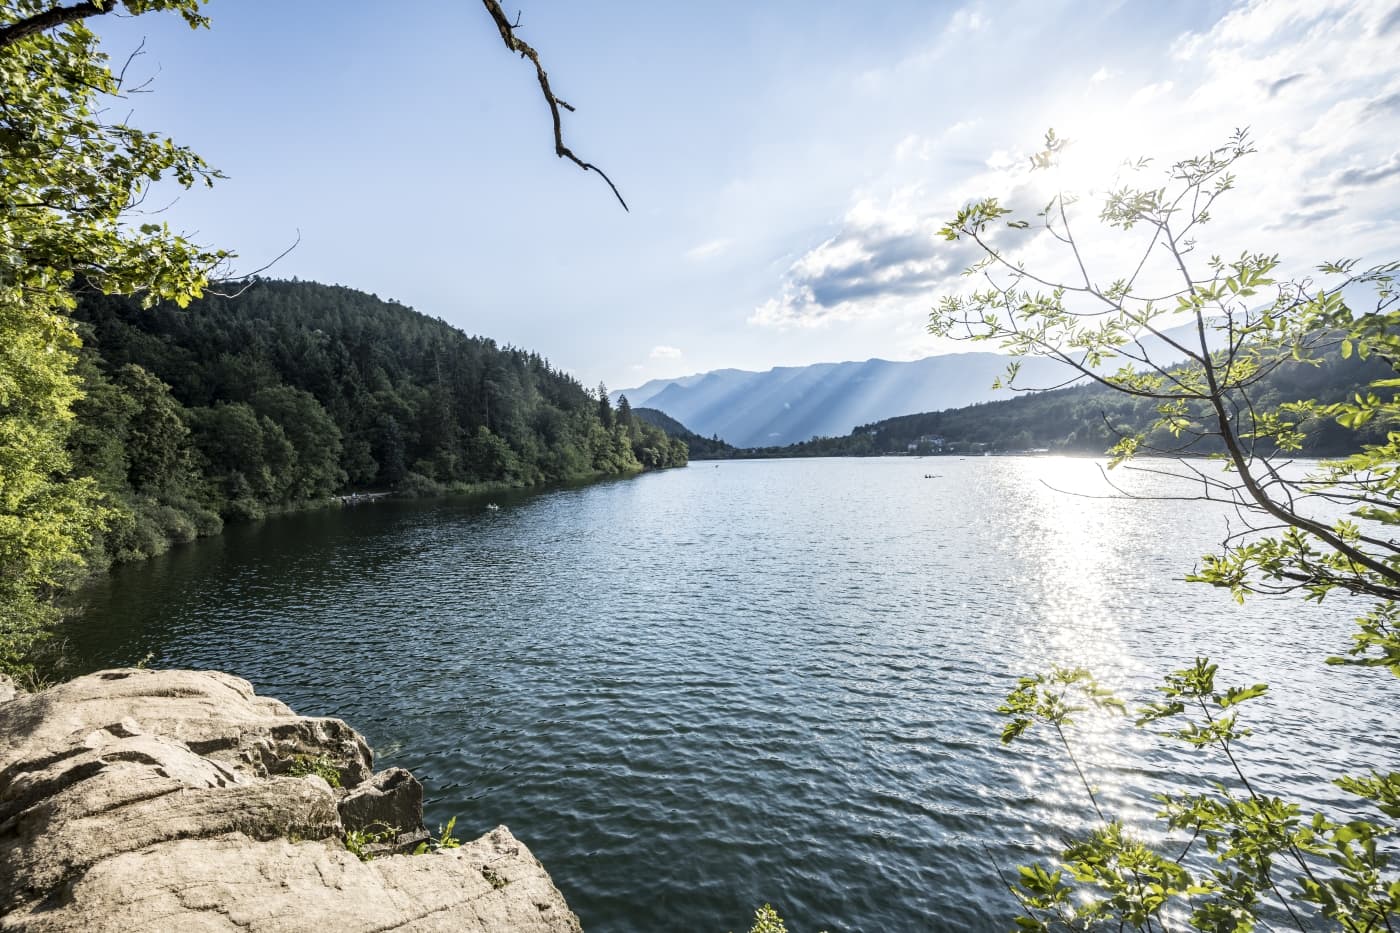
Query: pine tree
(605, 412)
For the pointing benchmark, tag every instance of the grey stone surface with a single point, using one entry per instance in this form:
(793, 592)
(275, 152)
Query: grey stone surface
(160, 800)
(391, 799)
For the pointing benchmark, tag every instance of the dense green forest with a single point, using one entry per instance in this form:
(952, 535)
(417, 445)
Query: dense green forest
(294, 391)
(1087, 419)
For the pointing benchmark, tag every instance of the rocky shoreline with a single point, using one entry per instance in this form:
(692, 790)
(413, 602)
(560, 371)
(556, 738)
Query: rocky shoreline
(137, 800)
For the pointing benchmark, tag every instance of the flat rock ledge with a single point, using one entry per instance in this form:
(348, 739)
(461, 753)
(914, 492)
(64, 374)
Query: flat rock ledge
(134, 800)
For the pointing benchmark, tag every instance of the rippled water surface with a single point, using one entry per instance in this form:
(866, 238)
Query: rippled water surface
(696, 691)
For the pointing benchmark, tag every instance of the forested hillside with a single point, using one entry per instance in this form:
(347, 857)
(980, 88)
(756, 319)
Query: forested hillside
(294, 391)
(1086, 419)
(700, 448)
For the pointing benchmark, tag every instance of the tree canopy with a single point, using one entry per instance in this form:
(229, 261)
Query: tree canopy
(71, 180)
(293, 391)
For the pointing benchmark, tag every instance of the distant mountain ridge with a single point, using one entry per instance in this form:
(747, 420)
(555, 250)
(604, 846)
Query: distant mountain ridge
(792, 404)
(788, 404)
(1090, 418)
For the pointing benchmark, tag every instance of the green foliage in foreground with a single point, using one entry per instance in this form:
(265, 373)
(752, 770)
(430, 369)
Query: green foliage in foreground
(321, 766)
(1233, 852)
(443, 840)
(361, 843)
(766, 920)
(1230, 855)
(67, 189)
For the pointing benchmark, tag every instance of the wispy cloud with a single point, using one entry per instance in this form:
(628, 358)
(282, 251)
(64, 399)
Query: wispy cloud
(664, 352)
(883, 255)
(1294, 219)
(967, 19)
(1281, 83)
(924, 148)
(1321, 142)
(1390, 23)
(1360, 177)
(1152, 92)
(707, 250)
(1382, 104)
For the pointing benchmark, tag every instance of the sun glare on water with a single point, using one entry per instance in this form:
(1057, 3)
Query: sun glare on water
(1077, 555)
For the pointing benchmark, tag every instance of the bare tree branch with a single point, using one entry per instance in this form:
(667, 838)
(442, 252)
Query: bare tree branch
(513, 42)
(246, 280)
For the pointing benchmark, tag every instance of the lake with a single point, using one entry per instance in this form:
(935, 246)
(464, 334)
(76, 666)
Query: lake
(696, 691)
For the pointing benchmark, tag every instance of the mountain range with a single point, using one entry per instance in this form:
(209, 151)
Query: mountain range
(788, 404)
(791, 404)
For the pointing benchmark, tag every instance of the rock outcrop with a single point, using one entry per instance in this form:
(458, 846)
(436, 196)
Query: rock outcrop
(180, 800)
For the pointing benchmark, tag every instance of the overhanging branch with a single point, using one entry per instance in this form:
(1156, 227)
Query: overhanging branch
(51, 18)
(516, 44)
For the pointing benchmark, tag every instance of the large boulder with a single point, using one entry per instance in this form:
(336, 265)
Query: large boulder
(392, 798)
(181, 800)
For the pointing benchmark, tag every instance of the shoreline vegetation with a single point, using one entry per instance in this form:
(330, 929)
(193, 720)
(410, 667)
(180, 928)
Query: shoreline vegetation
(296, 396)
(296, 393)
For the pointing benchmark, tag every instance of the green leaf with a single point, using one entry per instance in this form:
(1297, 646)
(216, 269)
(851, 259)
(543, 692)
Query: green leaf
(1237, 695)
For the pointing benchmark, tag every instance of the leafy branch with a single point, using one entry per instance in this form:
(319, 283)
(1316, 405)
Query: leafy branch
(1113, 878)
(1242, 855)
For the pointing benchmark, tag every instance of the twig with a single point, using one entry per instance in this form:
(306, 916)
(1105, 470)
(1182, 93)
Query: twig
(516, 44)
(248, 278)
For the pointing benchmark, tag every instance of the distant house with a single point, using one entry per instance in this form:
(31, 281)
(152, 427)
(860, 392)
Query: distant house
(928, 444)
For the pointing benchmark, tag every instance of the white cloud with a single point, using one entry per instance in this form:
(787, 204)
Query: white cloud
(886, 255)
(1361, 176)
(1146, 95)
(707, 250)
(664, 352)
(924, 148)
(1318, 82)
(913, 146)
(967, 20)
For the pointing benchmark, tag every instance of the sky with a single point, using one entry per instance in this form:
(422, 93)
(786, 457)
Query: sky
(787, 163)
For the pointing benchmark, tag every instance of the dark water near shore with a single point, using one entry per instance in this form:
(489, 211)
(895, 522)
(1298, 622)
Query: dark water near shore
(696, 691)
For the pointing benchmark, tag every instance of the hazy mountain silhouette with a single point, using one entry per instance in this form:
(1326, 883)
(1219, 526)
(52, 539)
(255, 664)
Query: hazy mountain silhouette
(794, 403)
(788, 404)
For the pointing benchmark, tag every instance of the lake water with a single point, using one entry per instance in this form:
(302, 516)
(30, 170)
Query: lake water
(696, 691)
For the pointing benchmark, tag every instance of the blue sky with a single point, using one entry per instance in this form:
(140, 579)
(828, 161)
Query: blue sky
(787, 163)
